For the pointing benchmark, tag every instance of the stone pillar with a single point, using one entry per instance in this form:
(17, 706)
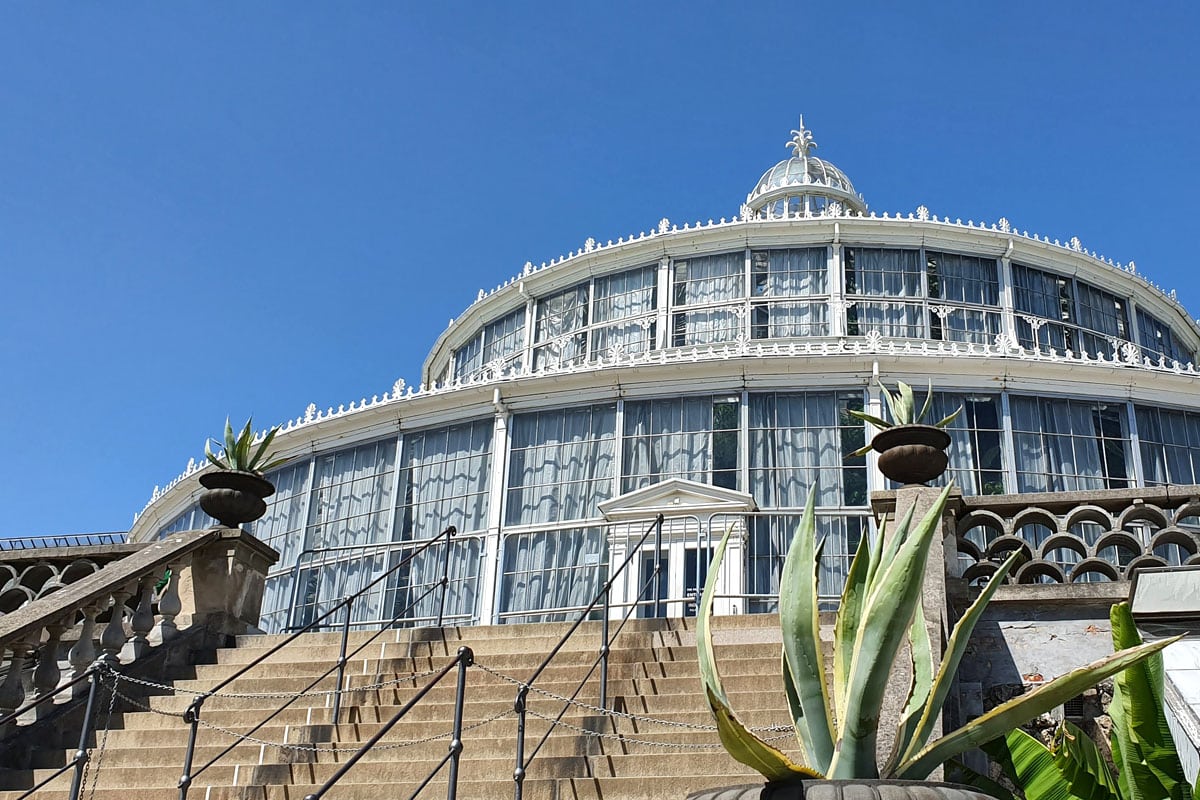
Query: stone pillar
(222, 588)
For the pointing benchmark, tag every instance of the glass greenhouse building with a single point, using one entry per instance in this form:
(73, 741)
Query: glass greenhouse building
(705, 372)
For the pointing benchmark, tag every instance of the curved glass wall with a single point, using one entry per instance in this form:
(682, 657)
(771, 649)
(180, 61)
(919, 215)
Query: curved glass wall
(341, 517)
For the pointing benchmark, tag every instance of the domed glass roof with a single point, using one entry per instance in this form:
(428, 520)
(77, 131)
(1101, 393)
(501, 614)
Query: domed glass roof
(803, 177)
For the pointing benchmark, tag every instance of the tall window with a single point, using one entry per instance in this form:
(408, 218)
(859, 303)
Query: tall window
(500, 343)
(1054, 311)
(976, 464)
(444, 480)
(690, 437)
(351, 495)
(1070, 445)
(561, 464)
(1158, 340)
(550, 574)
(702, 291)
(598, 319)
(789, 293)
(964, 297)
(871, 275)
(1170, 441)
(801, 438)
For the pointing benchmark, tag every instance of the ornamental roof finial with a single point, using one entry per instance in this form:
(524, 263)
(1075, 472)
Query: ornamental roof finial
(802, 141)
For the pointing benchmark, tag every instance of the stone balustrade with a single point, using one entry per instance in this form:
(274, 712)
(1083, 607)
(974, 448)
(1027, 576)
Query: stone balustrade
(209, 582)
(1078, 537)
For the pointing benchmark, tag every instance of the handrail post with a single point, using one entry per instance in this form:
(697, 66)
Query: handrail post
(341, 662)
(81, 753)
(449, 532)
(191, 716)
(519, 771)
(604, 652)
(657, 598)
(466, 657)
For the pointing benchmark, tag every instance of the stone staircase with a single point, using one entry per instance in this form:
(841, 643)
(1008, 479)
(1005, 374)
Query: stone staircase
(652, 747)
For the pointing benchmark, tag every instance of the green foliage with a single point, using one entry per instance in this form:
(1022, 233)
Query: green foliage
(239, 453)
(1073, 768)
(902, 406)
(837, 726)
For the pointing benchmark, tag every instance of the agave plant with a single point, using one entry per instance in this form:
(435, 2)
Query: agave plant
(837, 725)
(238, 452)
(903, 408)
(1072, 767)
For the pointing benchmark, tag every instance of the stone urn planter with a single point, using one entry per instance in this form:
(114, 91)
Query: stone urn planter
(844, 790)
(912, 454)
(234, 497)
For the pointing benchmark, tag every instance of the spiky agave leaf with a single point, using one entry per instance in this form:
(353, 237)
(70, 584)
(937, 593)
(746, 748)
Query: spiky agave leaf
(885, 621)
(854, 598)
(1021, 709)
(799, 619)
(218, 460)
(907, 404)
(927, 406)
(737, 739)
(946, 420)
(916, 737)
(878, 422)
(920, 685)
(254, 464)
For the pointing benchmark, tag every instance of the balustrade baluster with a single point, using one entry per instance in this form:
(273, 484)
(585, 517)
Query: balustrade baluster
(12, 691)
(169, 605)
(142, 621)
(83, 653)
(113, 638)
(47, 673)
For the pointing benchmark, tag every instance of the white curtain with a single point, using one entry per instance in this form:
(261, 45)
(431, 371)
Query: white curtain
(444, 480)
(351, 495)
(504, 339)
(550, 570)
(1060, 445)
(1170, 445)
(560, 330)
(789, 273)
(768, 543)
(884, 273)
(668, 438)
(561, 464)
(794, 442)
(413, 590)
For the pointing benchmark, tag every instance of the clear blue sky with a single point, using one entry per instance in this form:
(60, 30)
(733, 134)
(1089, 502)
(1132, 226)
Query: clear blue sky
(242, 208)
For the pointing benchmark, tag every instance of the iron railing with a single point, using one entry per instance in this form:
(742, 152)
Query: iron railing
(602, 598)
(67, 540)
(81, 758)
(341, 556)
(192, 715)
(464, 659)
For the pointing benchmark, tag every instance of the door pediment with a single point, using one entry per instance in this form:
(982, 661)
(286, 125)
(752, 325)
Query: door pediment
(676, 497)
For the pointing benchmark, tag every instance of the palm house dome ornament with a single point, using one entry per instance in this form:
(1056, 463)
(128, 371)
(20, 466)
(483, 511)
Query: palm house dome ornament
(803, 185)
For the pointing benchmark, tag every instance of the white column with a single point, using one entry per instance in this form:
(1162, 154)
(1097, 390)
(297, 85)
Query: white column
(1008, 321)
(1010, 448)
(837, 294)
(1138, 478)
(489, 576)
(665, 273)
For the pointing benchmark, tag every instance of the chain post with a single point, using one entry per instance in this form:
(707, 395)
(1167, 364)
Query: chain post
(604, 649)
(466, 657)
(341, 662)
(519, 771)
(657, 598)
(191, 716)
(449, 532)
(81, 753)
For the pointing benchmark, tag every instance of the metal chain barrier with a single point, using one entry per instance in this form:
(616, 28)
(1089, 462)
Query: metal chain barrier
(280, 695)
(619, 714)
(617, 737)
(307, 748)
(112, 702)
(116, 678)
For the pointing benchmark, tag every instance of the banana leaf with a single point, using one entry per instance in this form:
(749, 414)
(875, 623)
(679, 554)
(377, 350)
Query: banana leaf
(1082, 766)
(1030, 764)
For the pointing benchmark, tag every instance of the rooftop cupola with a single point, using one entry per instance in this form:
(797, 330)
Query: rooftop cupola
(803, 185)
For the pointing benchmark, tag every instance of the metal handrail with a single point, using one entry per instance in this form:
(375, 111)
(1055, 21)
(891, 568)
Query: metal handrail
(192, 714)
(604, 593)
(80, 760)
(464, 659)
